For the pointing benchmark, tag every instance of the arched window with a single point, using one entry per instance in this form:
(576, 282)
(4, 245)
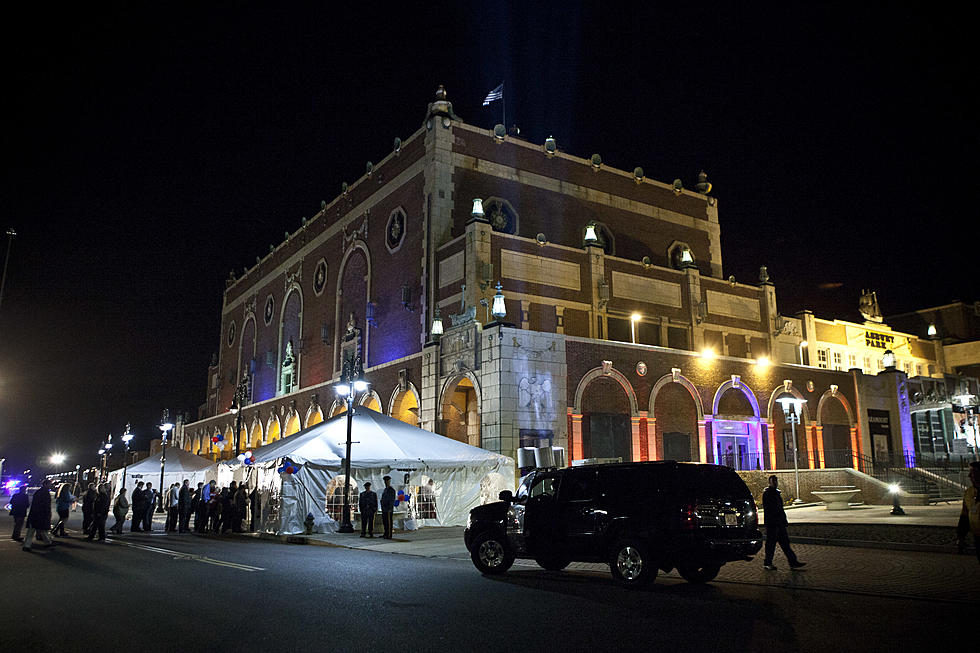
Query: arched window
(290, 332)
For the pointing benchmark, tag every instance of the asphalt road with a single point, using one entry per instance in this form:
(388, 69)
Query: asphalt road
(157, 592)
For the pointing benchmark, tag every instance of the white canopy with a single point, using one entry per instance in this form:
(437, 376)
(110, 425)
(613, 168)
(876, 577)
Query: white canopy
(462, 476)
(180, 464)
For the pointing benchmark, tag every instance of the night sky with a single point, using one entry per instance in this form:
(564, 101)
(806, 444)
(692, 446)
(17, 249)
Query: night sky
(150, 150)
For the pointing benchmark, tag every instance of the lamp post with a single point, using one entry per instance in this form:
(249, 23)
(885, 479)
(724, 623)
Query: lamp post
(792, 407)
(238, 402)
(165, 426)
(351, 382)
(126, 438)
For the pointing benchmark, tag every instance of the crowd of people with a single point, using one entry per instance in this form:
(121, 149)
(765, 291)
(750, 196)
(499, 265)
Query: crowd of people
(213, 510)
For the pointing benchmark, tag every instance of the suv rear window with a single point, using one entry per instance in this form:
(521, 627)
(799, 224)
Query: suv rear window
(705, 482)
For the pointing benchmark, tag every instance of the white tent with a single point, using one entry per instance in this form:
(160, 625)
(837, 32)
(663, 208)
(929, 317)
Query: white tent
(440, 477)
(180, 464)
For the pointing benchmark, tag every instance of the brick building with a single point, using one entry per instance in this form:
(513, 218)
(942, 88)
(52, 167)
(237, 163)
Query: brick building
(622, 338)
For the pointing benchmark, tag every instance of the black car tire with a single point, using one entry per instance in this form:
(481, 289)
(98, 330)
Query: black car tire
(631, 563)
(490, 554)
(702, 574)
(552, 562)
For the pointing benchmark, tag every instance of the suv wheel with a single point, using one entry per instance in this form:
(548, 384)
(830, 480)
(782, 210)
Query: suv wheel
(489, 554)
(631, 564)
(702, 574)
(552, 562)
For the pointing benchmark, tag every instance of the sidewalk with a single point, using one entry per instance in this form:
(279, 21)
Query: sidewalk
(922, 528)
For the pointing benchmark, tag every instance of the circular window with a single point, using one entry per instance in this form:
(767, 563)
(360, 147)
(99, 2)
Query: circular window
(501, 215)
(395, 231)
(232, 330)
(320, 277)
(270, 309)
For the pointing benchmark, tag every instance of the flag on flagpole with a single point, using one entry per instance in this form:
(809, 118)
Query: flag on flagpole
(495, 94)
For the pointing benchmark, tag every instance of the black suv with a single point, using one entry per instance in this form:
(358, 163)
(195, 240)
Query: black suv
(637, 517)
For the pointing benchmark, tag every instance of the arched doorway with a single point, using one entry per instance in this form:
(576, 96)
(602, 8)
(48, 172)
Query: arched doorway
(606, 424)
(404, 406)
(460, 412)
(292, 424)
(314, 416)
(835, 432)
(736, 428)
(272, 429)
(255, 441)
(676, 423)
(370, 399)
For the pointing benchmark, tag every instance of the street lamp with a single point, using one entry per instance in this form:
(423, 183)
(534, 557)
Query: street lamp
(165, 426)
(238, 402)
(57, 459)
(894, 489)
(792, 408)
(351, 382)
(126, 438)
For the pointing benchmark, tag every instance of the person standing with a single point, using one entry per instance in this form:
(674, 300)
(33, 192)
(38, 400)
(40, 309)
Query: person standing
(203, 506)
(388, 508)
(241, 508)
(184, 506)
(119, 508)
(970, 515)
(172, 502)
(138, 508)
(19, 504)
(100, 512)
(88, 505)
(62, 504)
(149, 505)
(39, 516)
(776, 523)
(367, 505)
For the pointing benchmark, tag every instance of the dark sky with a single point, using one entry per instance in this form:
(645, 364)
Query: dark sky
(148, 150)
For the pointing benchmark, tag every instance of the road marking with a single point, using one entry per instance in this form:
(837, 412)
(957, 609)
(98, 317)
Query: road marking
(178, 555)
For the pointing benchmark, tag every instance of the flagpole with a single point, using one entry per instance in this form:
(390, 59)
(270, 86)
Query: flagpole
(503, 105)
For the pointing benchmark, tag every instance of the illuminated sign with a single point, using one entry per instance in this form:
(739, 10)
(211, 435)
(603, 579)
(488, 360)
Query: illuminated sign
(878, 340)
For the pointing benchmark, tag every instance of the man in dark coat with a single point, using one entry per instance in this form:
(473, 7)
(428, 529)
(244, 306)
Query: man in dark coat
(139, 507)
(149, 506)
(367, 505)
(184, 506)
(388, 507)
(100, 512)
(776, 523)
(88, 503)
(19, 503)
(39, 517)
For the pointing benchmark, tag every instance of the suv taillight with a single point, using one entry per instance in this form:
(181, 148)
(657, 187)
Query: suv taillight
(689, 516)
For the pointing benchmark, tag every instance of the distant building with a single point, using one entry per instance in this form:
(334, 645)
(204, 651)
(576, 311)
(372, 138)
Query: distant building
(580, 307)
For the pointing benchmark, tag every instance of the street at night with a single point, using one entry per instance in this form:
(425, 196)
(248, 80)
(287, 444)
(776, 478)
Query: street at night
(190, 593)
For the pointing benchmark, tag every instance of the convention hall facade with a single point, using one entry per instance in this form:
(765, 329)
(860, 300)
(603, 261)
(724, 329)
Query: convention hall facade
(573, 305)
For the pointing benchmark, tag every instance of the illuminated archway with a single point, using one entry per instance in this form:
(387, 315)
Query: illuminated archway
(736, 427)
(256, 440)
(292, 424)
(370, 399)
(460, 410)
(272, 429)
(404, 405)
(313, 415)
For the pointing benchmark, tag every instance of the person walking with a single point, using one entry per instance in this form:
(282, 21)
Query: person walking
(184, 500)
(388, 508)
(149, 505)
(367, 505)
(776, 523)
(88, 504)
(172, 502)
(39, 516)
(139, 508)
(62, 504)
(970, 515)
(19, 505)
(119, 508)
(100, 512)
